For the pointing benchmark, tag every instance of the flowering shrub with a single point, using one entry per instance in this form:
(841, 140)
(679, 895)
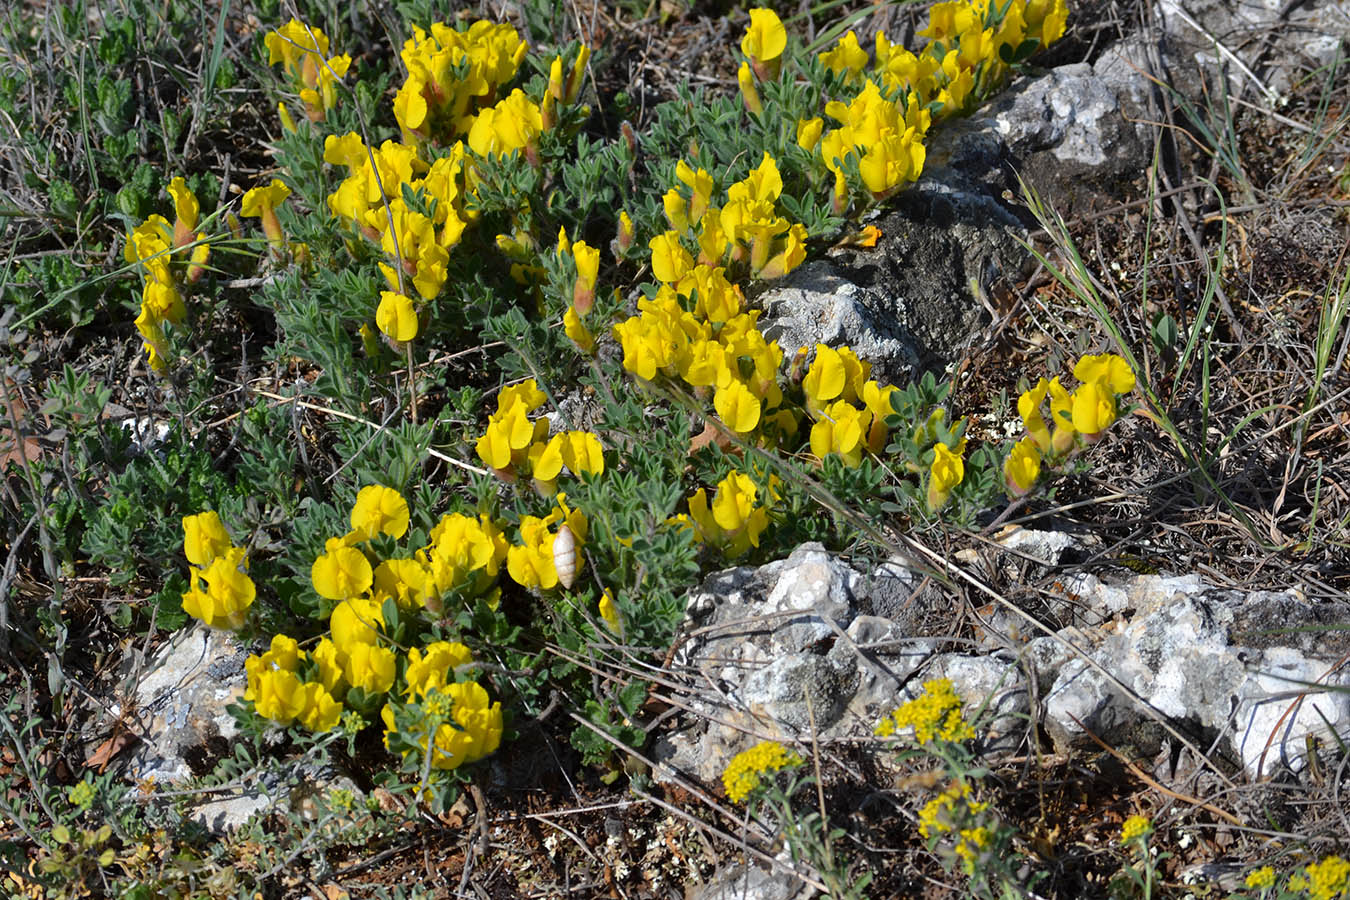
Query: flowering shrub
(446, 232)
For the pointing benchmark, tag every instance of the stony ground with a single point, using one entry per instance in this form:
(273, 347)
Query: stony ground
(1194, 168)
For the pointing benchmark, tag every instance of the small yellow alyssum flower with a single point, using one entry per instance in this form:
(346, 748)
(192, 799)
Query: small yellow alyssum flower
(745, 769)
(936, 713)
(1135, 827)
(1260, 879)
(1326, 880)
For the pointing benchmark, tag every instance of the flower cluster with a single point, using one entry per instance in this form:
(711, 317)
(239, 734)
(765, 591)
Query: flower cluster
(1262, 879)
(171, 257)
(878, 141)
(954, 813)
(278, 691)
(303, 53)
(742, 775)
(849, 410)
(732, 522)
(547, 553)
(1325, 880)
(1078, 417)
(1135, 828)
(934, 715)
(452, 77)
(513, 444)
(458, 722)
(416, 238)
(746, 228)
(357, 661)
(220, 591)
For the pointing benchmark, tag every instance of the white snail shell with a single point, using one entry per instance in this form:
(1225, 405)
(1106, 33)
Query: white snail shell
(565, 556)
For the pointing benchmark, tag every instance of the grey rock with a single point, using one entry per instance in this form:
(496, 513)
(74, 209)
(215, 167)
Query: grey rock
(1044, 547)
(1171, 644)
(747, 882)
(815, 304)
(1287, 698)
(885, 659)
(764, 640)
(993, 691)
(1276, 41)
(801, 691)
(180, 698)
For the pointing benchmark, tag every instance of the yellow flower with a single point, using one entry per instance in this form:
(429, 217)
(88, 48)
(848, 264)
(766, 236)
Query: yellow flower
(1107, 368)
(474, 730)
(369, 667)
(228, 592)
(670, 261)
(380, 510)
(354, 622)
(738, 408)
(1260, 879)
(1022, 467)
(847, 58)
(513, 124)
(1029, 408)
(280, 696)
(934, 715)
(186, 210)
(204, 538)
(841, 429)
(341, 572)
(406, 580)
(588, 269)
(578, 333)
(327, 655)
(1094, 409)
(396, 316)
(945, 473)
(808, 133)
(1327, 880)
(433, 668)
(262, 203)
(764, 42)
(320, 711)
(745, 80)
(609, 613)
(826, 378)
(1135, 828)
(742, 775)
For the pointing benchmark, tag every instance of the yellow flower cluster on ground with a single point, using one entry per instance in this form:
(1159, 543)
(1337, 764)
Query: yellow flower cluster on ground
(849, 410)
(1135, 828)
(461, 724)
(452, 77)
(171, 257)
(357, 662)
(746, 228)
(936, 714)
(1078, 417)
(220, 591)
(277, 691)
(879, 138)
(955, 813)
(1262, 879)
(1325, 880)
(303, 54)
(743, 774)
(733, 522)
(513, 444)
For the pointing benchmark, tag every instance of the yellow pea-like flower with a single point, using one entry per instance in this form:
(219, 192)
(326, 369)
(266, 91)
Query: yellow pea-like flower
(738, 408)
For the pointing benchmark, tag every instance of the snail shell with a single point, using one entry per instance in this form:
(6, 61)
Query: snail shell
(565, 556)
